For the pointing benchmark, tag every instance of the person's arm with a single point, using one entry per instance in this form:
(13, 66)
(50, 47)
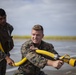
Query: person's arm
(38, 60)
(6, 57)
(51, 49)
(9, 60)
(2, 55)
(10, 27)
(33, 57)
(41, 62)
(55, 63)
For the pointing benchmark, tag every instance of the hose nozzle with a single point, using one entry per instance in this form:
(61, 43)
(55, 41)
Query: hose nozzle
(66, 58)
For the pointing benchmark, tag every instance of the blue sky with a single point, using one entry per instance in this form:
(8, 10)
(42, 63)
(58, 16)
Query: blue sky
(58, 17)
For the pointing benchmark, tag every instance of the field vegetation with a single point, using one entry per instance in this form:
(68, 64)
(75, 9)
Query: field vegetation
(47, 37)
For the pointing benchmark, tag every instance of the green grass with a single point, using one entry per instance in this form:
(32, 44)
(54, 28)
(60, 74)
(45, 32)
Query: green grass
(47, 37)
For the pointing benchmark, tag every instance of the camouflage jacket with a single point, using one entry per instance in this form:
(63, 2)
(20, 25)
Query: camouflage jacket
(35, 61)
(6, 39)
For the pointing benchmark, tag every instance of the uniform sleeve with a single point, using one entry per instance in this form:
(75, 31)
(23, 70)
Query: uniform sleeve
(51, 49)
(33, 57)
(10, 28)
(2, 55)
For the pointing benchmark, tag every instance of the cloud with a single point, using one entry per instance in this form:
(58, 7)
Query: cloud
(57, 16)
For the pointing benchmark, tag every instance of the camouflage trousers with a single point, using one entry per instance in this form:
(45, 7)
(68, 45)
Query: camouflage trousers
(3, 67)
(23, 73)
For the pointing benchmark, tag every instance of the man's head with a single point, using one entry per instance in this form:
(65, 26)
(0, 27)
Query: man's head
(38, 27)
(37, 34)
(2, 16)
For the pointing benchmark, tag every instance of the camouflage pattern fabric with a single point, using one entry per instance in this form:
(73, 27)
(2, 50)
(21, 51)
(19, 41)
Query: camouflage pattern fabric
(35, 61)
(3, 67)
(23, 73)
(6, 44)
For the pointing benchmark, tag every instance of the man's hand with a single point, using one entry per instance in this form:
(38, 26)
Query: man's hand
(56, 64)
(33, 48)
(9, 61)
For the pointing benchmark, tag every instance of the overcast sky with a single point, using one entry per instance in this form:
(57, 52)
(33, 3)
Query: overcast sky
(58, 17)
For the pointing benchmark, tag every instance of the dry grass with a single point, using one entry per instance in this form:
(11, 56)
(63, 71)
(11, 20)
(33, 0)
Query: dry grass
(47, 37)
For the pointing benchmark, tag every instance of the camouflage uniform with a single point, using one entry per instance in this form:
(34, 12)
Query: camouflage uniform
(7, 44)
(35, 61)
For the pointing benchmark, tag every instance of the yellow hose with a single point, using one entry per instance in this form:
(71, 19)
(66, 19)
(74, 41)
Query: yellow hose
(38, 51)
(46, 53)
(16, 63)
(70, 61)
(1, 48)
(20, 62)
(24, 59)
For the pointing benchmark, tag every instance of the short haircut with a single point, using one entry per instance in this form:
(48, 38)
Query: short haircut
(38, 27)
(2, 12)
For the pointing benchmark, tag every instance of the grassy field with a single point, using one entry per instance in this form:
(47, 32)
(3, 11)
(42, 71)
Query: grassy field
(47, 37)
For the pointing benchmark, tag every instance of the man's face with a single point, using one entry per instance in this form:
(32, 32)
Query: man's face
(36, 36)
(2, 20)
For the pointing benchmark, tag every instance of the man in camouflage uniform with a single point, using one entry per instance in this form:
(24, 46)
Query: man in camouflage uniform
(36, 61)
(6, 42)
